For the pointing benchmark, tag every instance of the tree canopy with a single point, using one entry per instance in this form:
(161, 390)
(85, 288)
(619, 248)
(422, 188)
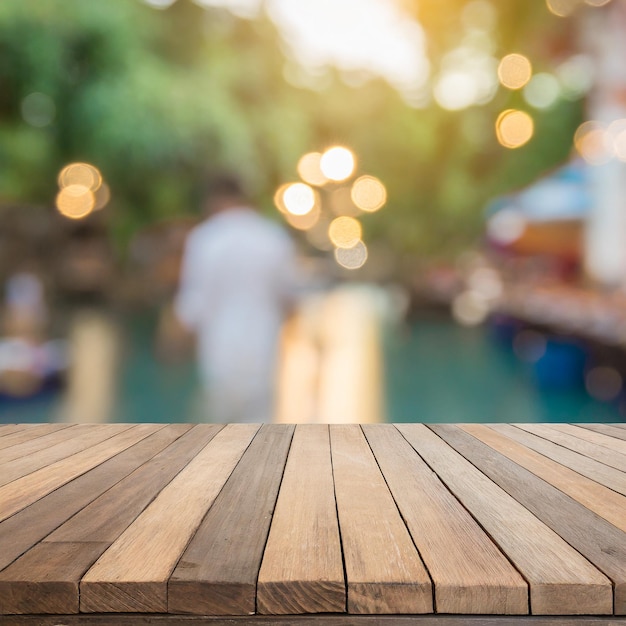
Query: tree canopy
(158, 99)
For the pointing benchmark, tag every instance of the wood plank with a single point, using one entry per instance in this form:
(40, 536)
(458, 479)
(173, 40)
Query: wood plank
(79, 438)
(24, 529)
(596, 539)
(218, 571)
(602, 455)
(306, 620)
(603, 474)
(32, 446)
(30, 488)
(302, 570)
(445, 534)
(19, 435)
(104, 519)
(7, 429)
(603, 501)
(588, 434)
(131, 576)
(45, 579)
(612, 430)
(383, 569)
(561, 580)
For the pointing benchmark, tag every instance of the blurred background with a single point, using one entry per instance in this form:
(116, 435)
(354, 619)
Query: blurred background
(452, 171)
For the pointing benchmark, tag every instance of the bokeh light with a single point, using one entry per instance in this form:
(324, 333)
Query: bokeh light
(470, 308)
(306, 221)
(318, 237)
(337, 163)
(486, 281)
(603, 383)
(368, 193)
(514, 128)
(299, 198)
(83, 174)
(562, 8)
(593, 143)
(38, 110)
(542, 91)
(309, 169)
(102, 196)
(514, 71)
(279, 202)
(597, 3)
(75, 201)
(352, 258)
(345, 232)
(576, 76)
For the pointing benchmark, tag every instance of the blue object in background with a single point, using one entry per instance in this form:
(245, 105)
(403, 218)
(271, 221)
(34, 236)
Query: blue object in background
(562, 365)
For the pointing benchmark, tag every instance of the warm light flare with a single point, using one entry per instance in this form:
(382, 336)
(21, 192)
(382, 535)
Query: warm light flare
(514, 71)
(345, 232)
(80, 174)
(309, 169)
(75, 201)
(299, 198)
(337, 163)
(514, 128)
(368, 193)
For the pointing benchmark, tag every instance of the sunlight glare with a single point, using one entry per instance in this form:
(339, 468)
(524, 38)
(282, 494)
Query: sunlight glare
(299, 198)
(337, 163)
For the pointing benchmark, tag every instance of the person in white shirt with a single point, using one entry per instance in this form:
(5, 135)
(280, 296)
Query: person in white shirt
(236, 287)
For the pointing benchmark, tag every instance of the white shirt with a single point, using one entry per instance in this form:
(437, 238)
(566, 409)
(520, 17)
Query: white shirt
(236, 282)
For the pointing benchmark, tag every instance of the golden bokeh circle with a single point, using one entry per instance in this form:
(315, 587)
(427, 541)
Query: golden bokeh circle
(83, 174)
(514, 71)
(368, 193)
(514, 128)
(345, 231)
(75, 201)
(309, 169)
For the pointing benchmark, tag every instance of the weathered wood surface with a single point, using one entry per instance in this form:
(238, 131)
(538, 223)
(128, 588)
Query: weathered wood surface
(241, 524)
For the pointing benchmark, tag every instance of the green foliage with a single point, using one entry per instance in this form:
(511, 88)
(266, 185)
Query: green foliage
(158, 99)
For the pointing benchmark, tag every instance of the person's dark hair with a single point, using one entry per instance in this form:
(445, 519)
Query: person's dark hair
(221, 191)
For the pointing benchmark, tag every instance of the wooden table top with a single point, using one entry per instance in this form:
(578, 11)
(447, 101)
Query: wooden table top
(117, 523)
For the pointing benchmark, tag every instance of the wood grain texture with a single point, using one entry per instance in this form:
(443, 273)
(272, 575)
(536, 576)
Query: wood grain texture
(588, 434)
(19, 433)
(307, 620)
(603, 501)
(81, 437)
(24, 529)
(32, 446)
(603, 544)
(601, 473)
(7, 429)
(45, 579)
(30, 488)
(132, 574)
(383, 569)
(302, 570)
(593, 451)
(561, 580)
(104, 520)
(612, 430)
(218, 571)
(446, 534)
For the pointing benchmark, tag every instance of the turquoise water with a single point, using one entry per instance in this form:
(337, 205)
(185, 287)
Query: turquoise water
(435, 371)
